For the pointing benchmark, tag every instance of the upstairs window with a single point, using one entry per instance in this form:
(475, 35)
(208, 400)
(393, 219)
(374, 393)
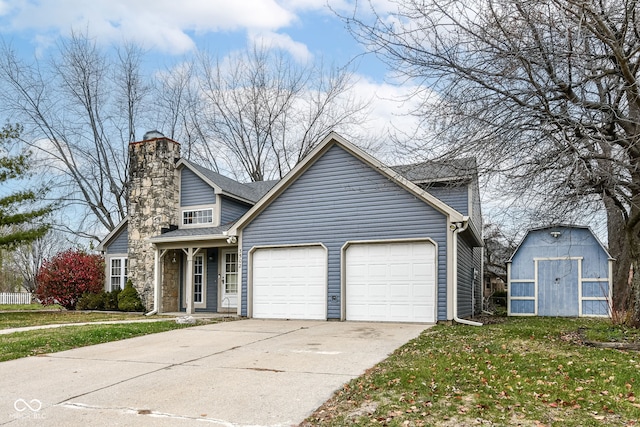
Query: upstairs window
(197, 217)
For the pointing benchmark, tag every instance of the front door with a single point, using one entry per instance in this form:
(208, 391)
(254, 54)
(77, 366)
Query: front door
(229, 278)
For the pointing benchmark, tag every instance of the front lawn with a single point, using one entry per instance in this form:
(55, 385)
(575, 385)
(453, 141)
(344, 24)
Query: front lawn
(33, 343)
(29, 307)
(36, 342)
(19, 319)
(525, 372)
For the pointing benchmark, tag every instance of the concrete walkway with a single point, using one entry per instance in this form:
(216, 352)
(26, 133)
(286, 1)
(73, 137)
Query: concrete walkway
(241, 373)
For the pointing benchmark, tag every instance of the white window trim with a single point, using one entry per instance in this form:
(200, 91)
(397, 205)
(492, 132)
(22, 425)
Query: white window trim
(123, 271)
(215, 217)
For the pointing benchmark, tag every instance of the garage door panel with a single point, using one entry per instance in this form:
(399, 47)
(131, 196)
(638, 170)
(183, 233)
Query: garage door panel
(392, 281)
(289, 283)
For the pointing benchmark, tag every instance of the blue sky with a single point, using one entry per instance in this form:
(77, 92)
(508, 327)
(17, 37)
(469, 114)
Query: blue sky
(170, 30)
(308, 29)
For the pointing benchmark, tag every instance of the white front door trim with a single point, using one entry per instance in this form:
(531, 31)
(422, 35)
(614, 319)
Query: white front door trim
(229, 300)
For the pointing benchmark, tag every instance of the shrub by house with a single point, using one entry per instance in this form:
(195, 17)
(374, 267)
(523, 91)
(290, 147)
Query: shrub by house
(64, 278)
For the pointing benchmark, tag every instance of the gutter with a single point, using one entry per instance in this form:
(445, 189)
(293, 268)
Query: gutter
(457, 228)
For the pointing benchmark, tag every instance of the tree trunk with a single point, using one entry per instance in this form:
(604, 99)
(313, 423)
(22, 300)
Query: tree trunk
(619, 250)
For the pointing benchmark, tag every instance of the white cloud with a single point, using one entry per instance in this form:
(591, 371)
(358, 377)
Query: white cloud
(158, 24)
(270, 39)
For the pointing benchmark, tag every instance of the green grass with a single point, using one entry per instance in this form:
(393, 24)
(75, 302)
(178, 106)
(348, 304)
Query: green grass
(527, 372)
(32, 343)
(35, 306)
(21, 319)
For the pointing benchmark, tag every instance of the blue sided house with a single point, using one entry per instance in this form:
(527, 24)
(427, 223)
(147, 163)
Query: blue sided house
(341, 237)
(562, 270)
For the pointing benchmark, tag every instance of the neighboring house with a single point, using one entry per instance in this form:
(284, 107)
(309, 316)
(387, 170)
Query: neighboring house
(341, 236)
(561, 270)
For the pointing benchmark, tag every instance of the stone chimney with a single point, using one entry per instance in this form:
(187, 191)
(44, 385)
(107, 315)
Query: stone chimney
(153, 204)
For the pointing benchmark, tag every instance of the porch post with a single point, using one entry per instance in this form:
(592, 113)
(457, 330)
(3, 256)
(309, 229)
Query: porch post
(189, 292)
(157, 290)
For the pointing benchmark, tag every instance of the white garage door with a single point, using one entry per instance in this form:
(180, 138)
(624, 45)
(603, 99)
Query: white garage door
(290, 283)
(391, 282)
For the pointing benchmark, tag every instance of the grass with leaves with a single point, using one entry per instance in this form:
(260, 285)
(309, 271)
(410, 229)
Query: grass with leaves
(524, 371)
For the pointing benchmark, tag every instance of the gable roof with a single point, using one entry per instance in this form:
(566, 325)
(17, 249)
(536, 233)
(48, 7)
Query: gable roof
(335, 139)
(550, 227)
(249, 193)
(112, 234)
(451, 171)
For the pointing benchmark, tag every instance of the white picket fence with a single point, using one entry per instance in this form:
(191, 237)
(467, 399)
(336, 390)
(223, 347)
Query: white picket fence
(15, 298)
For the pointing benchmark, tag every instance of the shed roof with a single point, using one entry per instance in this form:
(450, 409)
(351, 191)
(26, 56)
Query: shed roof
(559, 226)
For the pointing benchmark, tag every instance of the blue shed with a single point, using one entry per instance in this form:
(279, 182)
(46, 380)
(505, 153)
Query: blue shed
(561, 270)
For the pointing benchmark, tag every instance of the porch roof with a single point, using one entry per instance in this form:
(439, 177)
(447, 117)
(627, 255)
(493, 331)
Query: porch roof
(189, 234)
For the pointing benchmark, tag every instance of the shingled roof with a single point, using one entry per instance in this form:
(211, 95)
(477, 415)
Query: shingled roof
(251, 191)
(440, 171)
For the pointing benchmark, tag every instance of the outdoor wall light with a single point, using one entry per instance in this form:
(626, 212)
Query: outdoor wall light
(174, 260)
(555, 234)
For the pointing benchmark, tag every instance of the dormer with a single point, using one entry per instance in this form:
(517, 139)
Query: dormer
(208, 199)
(199, 205)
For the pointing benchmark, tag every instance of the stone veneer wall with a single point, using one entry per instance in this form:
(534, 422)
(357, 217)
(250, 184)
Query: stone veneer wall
(153, 202)
(171, 280)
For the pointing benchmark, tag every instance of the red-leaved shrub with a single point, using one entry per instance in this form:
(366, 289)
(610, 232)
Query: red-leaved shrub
(64, 278)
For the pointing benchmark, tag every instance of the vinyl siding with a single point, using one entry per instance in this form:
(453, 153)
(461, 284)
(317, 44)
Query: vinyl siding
(231, 210)
(120, 243)
(478, 266)
(339, 199)
(455, 196)
(212, 280)
(194, 191)
(465, 279)
(476, 207)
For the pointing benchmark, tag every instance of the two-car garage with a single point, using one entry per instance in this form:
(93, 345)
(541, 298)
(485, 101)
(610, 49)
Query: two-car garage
(389, 281)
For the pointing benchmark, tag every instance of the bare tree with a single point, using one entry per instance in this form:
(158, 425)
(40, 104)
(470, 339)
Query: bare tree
(544, 93)
(27, 259)
(79, 111)
(255, 115)
(265, 112)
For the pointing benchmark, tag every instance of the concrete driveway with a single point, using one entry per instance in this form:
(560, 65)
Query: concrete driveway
(241, 373)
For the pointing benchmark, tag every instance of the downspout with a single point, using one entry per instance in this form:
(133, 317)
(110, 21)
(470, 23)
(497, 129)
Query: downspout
(457, 229)
(155, 283)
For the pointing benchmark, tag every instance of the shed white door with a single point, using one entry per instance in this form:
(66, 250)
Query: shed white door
(391, 282)
(290, 283)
